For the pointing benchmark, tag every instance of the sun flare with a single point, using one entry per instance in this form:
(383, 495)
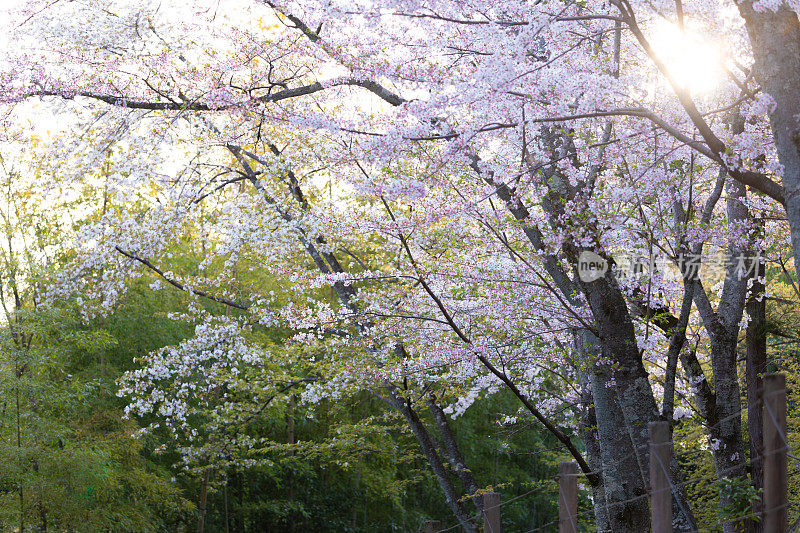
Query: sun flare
(694, 62)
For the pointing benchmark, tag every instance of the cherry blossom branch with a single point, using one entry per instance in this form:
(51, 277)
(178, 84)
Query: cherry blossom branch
(676, 343)
(186, 105)
(222, 185)
(715, 147)
(179, 285)
(564, 439)
(346, 294)
(756, 180)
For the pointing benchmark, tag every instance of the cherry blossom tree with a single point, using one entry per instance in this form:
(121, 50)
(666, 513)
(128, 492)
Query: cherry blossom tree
(446, 168)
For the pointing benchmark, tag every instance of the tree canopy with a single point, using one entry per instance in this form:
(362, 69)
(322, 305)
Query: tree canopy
(355, 229)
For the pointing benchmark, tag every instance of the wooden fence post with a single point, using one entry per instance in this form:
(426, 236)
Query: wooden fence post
(491, 513)
(433, 526)
(775, 449)
(660, 491)
(567, 498)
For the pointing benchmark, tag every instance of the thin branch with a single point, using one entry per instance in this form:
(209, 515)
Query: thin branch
(179, 285)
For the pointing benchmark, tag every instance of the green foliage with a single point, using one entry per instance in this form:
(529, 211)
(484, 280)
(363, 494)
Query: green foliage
(68, 458)
(741, 496)
(352, 465)
(356, 467)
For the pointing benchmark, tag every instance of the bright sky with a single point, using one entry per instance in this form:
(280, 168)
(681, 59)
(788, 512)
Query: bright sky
(692, 60)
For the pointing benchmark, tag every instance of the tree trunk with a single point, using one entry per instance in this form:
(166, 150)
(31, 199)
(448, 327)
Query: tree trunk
(428, 446)
(624, 486)
(588, 430)
(723, 330)
(201, 504)
(453, 452)
(775, 40)
(726, 435)
(755, 367)
(623, 399)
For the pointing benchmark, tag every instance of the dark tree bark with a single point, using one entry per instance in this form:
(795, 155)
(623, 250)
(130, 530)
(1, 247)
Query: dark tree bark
(588, 429)
(623, 398)
(453, 452)
(201, 503)
(756, 337)
(428, 446)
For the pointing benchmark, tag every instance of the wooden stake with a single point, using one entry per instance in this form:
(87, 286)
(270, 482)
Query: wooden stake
(567, 498)
(775, 448)
(491, 513)
(660, 491)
